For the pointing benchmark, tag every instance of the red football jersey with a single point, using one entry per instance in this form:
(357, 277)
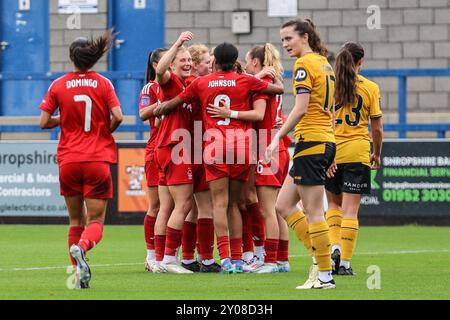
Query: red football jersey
(189, 80)
(180, 118)
(287, 139)
(273, 105)
(84, 100)
(150, 95)
(223, 88)
(196, 110)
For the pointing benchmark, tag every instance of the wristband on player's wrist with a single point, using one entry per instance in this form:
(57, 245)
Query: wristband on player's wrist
(234, 114)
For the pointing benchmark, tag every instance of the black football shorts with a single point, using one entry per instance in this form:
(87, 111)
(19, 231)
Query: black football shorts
(311, 162)
(350, 178)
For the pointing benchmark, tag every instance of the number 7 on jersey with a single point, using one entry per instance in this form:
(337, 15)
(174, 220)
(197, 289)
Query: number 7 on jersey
(88, 105)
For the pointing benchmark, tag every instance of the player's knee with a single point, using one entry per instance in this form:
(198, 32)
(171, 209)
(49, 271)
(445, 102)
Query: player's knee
(282, 210)
(153, 211)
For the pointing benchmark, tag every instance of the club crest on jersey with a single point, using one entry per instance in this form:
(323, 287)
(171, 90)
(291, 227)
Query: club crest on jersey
(145, 100)
(300, 74)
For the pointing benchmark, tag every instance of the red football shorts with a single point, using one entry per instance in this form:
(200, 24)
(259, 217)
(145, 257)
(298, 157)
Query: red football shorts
(239, 172)
(172, 173)
(90, 179)
(200, 183)
(152, 172)
(273, 174)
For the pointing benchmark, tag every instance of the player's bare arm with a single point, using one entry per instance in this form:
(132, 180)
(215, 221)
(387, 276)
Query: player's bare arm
(296, 115)
(276, 88)
(266, 71)
(377, 137)
(162, 70)
(48, 121)
(167, 106)
(147, 113)
(116, 119)
(224, 112)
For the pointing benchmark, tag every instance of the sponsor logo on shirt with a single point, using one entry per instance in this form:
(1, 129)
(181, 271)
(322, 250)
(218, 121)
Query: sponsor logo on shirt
(301, 74)
(145, 100)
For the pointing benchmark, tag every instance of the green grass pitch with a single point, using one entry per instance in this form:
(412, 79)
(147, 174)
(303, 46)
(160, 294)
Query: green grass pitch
(414, 263)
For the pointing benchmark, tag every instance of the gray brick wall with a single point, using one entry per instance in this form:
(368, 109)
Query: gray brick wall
(414, 34)
(61, 37)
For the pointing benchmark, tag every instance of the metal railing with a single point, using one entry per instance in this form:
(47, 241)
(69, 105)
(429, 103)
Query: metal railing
(402, 127)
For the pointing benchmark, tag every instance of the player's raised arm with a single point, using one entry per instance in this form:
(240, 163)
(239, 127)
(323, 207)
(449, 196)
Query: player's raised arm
(162, 70)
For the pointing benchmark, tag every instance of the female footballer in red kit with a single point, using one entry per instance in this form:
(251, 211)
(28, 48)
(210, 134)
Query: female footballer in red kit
(176, 179)
(225, 87)
(149, 98)
(89, 112)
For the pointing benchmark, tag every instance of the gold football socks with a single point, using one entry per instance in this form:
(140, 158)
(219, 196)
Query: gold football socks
(298, 222)
(349, 233)
(334, 220)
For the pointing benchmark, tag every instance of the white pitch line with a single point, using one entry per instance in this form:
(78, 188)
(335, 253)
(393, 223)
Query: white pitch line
(291, 256)
(386, 252)
(65, 267)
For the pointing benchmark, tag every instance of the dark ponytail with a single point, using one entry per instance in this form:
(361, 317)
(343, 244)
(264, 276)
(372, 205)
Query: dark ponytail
(153, 57)
(85, 53)
(345, 69)
(307, 26)
(226, 56)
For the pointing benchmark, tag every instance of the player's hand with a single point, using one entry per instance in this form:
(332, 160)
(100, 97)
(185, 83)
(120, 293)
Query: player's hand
(270, 150)
(158, 111)
(332, 169)
(375, 160)
(219, 112)
(184, 37)
(266, 71)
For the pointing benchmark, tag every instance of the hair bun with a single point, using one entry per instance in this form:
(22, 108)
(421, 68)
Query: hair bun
(311, 23)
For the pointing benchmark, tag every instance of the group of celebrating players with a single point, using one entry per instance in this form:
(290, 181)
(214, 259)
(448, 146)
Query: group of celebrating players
(217, 160)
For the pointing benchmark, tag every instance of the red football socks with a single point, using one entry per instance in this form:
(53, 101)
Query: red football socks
(236, 249)
(149, 231)
(258, 225)
(223, 244)
(160, 244)
(74, 237)
(91, 236)
(205, 236)
(283, 250)
(173, 241)
(189, 240)
(247, 231)
(271, 248)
